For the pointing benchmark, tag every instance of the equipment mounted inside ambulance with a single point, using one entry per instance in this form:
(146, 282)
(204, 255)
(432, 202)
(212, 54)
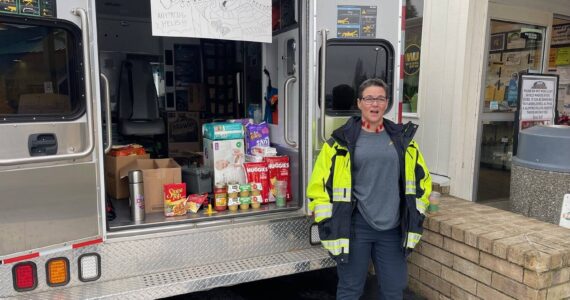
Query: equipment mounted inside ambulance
(77, 76)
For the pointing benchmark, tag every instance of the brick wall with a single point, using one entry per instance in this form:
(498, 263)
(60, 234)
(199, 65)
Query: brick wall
(472, 251)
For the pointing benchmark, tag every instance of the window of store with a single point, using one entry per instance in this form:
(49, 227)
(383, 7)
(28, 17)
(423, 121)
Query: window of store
(514, 49)
(37, 71)
(559, 63)
(412, 51)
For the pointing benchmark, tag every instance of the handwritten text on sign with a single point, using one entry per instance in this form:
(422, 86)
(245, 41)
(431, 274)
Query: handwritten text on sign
(242, 20)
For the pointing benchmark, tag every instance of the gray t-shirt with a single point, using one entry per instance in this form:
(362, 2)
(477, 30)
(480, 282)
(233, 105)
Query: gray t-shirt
(376, 173)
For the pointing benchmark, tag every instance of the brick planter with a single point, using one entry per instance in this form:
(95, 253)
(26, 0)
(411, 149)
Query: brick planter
(472, 251)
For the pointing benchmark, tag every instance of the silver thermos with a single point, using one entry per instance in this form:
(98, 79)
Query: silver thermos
(136, 198)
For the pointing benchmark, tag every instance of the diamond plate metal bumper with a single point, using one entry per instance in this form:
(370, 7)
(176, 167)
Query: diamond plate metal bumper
(182, 281)
(147, 266)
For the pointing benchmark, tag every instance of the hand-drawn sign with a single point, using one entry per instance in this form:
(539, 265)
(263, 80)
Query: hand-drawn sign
(242, 20)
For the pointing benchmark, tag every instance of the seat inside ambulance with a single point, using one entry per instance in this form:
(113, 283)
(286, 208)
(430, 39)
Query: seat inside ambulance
(138, 112)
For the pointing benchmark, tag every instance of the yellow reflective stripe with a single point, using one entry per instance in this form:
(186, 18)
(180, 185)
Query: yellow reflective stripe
(341, 194)
(323, 211)
(421, 206)
(336, 247)
(413, 239)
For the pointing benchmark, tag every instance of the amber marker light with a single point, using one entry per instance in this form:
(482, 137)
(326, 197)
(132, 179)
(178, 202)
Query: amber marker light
(57, 271)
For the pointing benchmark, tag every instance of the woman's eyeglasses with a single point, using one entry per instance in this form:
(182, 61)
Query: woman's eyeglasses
(377, 100)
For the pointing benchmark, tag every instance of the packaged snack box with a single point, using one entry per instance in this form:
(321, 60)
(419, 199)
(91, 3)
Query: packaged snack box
(175, 199)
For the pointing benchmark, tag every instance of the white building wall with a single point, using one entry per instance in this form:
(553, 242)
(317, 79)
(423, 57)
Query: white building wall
(450, 78)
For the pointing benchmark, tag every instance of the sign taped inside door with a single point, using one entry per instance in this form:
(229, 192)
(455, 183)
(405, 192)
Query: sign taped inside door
(537, 100)
(240, 20)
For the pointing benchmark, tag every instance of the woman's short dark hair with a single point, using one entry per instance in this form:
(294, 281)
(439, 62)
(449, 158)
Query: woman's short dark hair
(373, 82)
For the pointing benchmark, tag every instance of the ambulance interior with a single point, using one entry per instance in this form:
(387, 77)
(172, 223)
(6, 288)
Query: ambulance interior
(164, 89)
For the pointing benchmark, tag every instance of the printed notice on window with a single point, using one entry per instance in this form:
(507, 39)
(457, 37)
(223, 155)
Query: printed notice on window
(240, 20)
(356, 21)
(537, 100)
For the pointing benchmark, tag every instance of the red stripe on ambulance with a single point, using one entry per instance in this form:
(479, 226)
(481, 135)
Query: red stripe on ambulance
(21, 258)
(88, 243)
(52, 251)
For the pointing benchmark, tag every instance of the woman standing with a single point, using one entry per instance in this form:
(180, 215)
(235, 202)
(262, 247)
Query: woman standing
(369, 191)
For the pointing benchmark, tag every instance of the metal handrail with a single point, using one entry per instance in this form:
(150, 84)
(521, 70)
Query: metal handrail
(323, 68)
(289, 142)
(107, 114)
(89, 109)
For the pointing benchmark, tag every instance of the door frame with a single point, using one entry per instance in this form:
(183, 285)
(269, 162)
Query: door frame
(516, 14)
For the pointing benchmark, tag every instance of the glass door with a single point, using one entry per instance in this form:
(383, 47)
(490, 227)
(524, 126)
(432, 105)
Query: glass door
(559, 64)
(514, 49)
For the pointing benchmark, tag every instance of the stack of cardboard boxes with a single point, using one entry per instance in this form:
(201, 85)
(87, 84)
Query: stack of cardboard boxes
(156, 173)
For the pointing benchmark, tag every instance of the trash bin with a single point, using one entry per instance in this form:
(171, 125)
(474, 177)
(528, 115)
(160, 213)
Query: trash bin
(540, 175)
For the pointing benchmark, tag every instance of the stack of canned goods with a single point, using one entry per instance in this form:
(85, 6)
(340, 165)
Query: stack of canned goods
(233, 199)
(244, 196)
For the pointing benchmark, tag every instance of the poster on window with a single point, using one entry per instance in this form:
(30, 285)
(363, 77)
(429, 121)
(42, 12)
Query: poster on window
(560, 34)
(515, 41)
(497, 42)
(537, 98)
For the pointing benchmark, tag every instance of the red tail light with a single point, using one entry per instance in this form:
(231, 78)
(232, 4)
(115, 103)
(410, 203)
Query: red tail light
(25, 276)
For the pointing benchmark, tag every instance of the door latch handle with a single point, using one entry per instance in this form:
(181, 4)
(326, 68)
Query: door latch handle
(42, 144)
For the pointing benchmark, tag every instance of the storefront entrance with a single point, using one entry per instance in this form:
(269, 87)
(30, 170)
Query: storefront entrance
(518, 43)
(514, 48)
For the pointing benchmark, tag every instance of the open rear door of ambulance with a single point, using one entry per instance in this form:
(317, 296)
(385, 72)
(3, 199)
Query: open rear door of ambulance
(349, 42)
(49, 179)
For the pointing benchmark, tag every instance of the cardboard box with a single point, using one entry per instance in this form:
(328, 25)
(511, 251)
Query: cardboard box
(156, 173)
(226, 158)
(196, 97)
(183, 132)
(116, 186)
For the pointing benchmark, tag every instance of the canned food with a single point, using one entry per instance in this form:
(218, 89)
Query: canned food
(220, 197)
(244, 190)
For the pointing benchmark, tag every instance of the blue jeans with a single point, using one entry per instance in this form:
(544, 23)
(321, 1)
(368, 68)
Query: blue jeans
(385, 249)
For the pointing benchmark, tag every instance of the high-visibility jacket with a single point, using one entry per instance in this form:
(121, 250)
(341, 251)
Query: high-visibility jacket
(330, 187)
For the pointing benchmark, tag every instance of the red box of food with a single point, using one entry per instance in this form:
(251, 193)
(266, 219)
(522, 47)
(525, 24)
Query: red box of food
(175, 199)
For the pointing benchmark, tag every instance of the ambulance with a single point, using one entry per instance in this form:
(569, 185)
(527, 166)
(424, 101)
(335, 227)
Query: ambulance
(66, 68)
